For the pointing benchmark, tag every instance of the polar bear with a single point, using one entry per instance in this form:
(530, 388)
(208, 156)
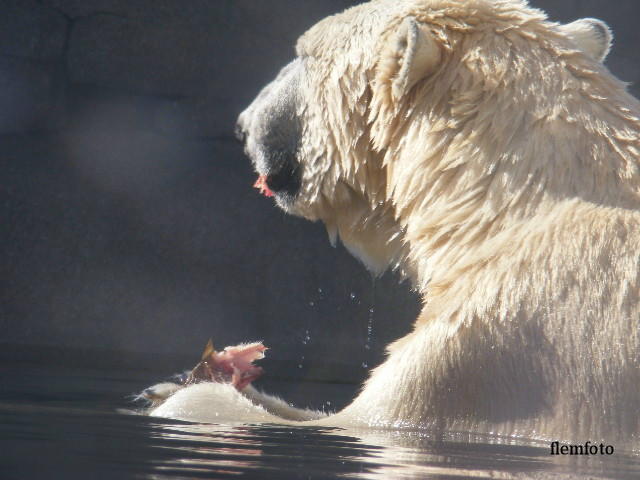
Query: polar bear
(487, 154)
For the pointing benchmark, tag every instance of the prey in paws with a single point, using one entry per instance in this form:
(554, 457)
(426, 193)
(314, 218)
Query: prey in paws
(219, 389)
(233, 365)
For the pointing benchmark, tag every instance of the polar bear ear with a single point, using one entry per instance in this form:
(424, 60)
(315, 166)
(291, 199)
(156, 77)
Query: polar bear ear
(593, 36)
(410, 55)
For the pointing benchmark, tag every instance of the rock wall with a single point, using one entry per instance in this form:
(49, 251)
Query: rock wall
(130, 222)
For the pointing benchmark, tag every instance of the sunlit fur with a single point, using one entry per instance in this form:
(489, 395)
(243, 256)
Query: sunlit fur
(505, 184)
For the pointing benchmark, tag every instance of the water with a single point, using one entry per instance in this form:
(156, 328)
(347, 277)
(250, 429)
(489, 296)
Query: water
(372, 308)
(75, 422)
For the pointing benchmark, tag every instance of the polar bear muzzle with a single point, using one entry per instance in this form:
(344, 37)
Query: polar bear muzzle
(284, 176)
(271, 129)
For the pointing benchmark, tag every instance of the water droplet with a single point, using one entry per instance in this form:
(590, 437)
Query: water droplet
(311, 304)
(367, 344)
(319, 290)
(299, 365)
(307, 337)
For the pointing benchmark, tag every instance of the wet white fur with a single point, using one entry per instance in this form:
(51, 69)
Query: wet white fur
(505, 184)
(218, 402)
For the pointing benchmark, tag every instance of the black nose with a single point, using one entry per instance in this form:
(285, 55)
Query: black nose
(240, 133)
(284, 173)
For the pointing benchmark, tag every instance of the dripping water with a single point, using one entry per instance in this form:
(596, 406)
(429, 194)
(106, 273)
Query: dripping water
(369, 339)
(307, 336)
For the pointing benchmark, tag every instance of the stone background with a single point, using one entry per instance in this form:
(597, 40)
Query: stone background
(128, 219)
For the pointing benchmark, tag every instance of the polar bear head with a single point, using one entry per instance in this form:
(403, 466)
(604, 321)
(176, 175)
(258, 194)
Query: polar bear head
(385, 102)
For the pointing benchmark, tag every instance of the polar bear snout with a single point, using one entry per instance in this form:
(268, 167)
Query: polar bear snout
(271, 131)
(284, 176)
(239, 132)
(274, 157)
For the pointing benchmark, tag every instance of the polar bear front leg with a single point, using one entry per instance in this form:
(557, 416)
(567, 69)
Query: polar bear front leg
(459, 377)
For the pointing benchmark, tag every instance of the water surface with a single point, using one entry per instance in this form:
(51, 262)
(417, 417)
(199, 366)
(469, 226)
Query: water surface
(77, 422)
